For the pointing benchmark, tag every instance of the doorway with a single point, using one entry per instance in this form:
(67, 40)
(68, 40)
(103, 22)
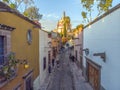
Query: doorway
(29, 85)
(93, 74)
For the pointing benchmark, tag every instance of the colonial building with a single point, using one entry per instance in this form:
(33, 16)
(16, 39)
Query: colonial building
(19, 37)
(64, 25)
(102, 50)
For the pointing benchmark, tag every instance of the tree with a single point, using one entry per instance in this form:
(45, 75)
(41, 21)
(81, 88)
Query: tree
(102, 6)
(15, 4)
(32, 13)
(66, 23)
(65, 31)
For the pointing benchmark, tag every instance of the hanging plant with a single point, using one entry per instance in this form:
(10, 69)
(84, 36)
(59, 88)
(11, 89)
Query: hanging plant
(9, 69)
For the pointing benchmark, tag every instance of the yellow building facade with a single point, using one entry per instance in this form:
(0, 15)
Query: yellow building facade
(24, 42)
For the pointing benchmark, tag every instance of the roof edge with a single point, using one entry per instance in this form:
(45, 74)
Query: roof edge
(6, 8)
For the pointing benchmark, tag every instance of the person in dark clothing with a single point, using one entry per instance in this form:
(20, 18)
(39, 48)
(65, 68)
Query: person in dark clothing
(72, 58)
(53, 61)
(49, 68)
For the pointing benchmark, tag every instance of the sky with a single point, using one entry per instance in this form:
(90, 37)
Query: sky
(52, 11)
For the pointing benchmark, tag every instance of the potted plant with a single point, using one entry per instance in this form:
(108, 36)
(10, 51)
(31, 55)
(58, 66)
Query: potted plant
(9, 69)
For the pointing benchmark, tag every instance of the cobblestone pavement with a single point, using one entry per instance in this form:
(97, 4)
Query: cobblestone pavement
(62, 79)
(67, 77)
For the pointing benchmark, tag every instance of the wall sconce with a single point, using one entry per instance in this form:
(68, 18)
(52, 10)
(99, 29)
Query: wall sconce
(102, 55)
(24, 62)
(26, 66)
(86, 51)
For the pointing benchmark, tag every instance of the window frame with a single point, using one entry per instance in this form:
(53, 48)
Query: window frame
(1, 63)
(29, 36)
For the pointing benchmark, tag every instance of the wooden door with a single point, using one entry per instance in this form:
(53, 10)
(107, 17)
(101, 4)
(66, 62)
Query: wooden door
(94, 76)
(29, 85)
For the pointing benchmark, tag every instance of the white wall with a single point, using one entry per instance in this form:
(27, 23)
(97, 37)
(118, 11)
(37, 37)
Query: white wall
(104, 36)
(78, 44)
(43, 53)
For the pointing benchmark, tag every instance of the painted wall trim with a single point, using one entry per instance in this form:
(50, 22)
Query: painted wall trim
(5, 27)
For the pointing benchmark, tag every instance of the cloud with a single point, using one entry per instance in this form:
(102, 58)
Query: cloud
(48, 24)
(50, 16)
(49, 21)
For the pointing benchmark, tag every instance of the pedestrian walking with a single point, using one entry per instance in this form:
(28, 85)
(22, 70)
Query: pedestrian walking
(53, 61)
(73, 58)
(49, 68)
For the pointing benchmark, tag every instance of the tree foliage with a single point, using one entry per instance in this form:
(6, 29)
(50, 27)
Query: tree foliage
(101, 5)
(66, 24)
(17, 3)
(32, 13)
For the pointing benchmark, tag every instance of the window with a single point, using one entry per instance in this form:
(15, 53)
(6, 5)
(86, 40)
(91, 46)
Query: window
(29, 36)
(1, 50)
(44, 63)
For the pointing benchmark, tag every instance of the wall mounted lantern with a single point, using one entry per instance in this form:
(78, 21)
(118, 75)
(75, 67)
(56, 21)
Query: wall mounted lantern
(86, 51)
(24, 62)
(102, 55)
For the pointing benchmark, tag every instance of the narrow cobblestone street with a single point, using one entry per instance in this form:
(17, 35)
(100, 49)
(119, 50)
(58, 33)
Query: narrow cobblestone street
(64, 77)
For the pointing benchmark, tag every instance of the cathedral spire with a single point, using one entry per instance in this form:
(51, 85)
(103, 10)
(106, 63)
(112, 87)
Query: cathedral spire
(64, 14)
